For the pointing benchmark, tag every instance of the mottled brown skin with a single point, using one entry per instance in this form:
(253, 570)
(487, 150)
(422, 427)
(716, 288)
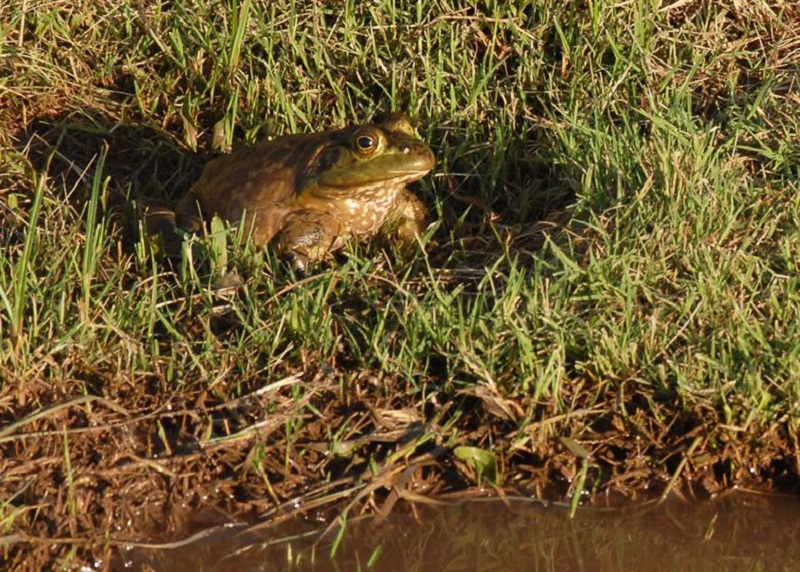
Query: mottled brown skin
(308, 193)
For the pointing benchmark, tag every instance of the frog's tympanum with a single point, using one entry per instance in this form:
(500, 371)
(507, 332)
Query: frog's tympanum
(308, 193)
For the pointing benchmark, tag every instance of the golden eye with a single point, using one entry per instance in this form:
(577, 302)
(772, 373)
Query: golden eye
(366, 144)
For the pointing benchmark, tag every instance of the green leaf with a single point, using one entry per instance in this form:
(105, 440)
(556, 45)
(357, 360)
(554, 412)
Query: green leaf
(575, 448)
(219, 246)
(483, 461)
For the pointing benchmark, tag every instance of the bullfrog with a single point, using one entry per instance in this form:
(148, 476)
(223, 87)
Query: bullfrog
(308, 193)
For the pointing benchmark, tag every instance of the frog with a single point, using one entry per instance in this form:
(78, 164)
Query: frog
(307, 194)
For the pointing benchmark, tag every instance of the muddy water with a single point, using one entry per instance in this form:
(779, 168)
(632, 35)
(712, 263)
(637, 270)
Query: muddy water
(740, 532)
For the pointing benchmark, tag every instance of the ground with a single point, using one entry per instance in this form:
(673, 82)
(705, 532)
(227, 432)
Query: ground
(604, 309)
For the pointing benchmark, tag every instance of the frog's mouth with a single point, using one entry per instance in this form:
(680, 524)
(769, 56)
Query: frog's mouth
(394, 169)
(356, 184)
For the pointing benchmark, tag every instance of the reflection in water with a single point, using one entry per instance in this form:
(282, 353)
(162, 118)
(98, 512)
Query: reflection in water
(740, 532)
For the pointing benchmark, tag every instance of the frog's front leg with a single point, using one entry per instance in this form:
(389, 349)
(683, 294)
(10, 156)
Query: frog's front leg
(308, 236)
(408, 221)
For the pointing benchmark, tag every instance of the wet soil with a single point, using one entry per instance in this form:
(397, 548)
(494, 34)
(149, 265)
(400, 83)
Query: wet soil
(84, 476)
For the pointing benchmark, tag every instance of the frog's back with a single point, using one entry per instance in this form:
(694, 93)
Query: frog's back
(257, 183)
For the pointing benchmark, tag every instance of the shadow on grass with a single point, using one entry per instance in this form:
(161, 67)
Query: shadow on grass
(147, 168)
(142, 166)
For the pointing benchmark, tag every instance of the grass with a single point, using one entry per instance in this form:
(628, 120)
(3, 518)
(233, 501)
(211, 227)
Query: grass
(608, 298)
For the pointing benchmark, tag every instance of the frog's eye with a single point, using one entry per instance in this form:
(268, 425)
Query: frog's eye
(366, 144)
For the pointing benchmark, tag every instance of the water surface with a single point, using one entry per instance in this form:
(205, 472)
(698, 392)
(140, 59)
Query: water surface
(739, 532)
